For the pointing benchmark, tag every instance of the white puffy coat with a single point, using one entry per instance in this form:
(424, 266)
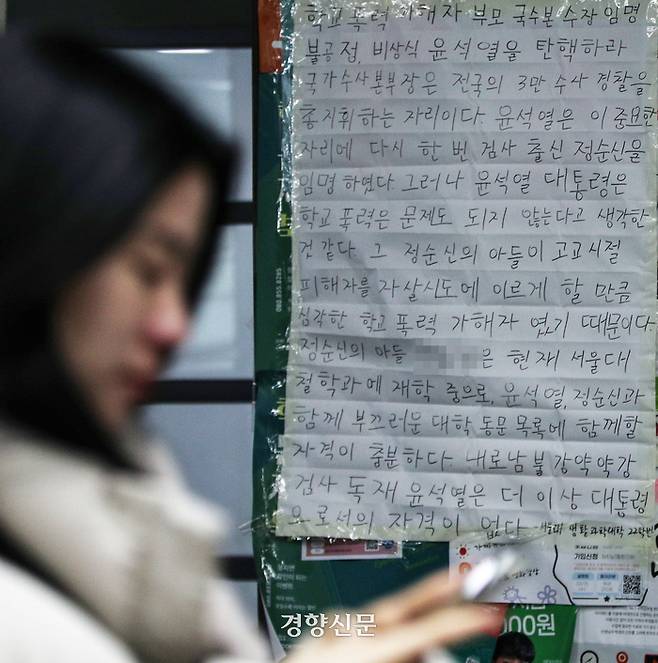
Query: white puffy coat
(135, 551)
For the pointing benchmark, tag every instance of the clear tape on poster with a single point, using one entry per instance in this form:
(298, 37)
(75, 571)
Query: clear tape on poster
(436, 152)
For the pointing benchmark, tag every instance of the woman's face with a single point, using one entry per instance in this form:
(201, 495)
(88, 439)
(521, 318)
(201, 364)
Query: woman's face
(116, 323)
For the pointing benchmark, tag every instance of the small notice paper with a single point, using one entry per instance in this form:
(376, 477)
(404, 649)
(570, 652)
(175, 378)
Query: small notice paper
(472, 343)
(584, 565)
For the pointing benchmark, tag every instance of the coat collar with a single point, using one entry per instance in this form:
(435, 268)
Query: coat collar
(136, 550)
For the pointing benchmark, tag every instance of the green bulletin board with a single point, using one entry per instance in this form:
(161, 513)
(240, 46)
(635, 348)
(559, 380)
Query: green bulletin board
(288, 583)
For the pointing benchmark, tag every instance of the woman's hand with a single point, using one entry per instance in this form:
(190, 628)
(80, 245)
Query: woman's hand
(408, 623)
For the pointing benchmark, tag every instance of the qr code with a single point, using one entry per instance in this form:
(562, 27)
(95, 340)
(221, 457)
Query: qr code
(632, 584)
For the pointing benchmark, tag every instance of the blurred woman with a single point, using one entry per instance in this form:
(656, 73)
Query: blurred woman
(110, 198)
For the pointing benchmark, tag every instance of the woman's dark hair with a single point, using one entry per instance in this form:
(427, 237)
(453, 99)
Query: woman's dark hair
(86, 142)
(514, 645)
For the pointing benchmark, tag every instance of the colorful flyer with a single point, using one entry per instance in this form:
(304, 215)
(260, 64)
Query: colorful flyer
(586, 565)
(541, 633)
(619, 635)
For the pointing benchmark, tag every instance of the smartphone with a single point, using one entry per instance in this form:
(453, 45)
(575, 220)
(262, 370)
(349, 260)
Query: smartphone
(484, 576)
(488, 573)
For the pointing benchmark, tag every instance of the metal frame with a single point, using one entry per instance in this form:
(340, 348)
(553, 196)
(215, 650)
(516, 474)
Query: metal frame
(201, 391)
(142, 23)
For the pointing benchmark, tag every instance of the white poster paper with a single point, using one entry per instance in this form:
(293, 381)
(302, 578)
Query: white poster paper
(472, 341)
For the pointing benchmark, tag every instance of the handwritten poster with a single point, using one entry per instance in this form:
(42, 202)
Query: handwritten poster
(472, 342)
